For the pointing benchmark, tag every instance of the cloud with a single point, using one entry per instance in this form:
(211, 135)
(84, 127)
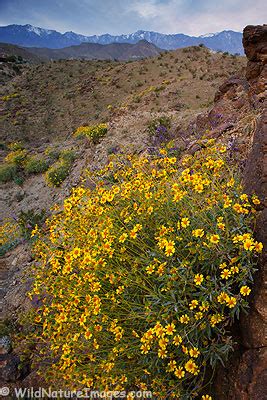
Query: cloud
(193, 17)
(196, 17)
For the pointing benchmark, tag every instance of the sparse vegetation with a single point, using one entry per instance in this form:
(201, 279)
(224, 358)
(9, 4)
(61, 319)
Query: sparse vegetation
(93, 85)
(16, 157)
(159, 130)
(29, 220)
(67, 156)
(57, 173)
(7, 172)
(35, 165)
(93, 132)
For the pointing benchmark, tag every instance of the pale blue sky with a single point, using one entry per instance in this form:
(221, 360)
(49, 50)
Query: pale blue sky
(194, 17)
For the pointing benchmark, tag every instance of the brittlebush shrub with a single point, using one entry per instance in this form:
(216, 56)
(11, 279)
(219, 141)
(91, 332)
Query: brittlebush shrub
(7, 172)
(93, 132)
(16, 157)
(60, 170)
(140, 279)
(16, 146)
(57, 173)
(9, 235)
(68, 156)
(36, 165)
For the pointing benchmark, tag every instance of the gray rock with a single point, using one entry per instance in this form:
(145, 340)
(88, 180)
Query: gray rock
(5, 345)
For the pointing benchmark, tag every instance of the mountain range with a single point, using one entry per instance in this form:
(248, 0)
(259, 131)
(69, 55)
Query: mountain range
(31, 36)
(83, 51)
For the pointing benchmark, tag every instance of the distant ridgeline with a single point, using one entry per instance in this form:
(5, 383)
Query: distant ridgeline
(30, 36)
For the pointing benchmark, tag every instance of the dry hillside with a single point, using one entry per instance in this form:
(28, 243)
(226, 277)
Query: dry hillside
(43, 106)
(53, 99)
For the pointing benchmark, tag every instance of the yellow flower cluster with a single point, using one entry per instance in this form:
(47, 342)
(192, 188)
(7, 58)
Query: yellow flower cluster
(140, 277)
(9, 232)
(93, 132)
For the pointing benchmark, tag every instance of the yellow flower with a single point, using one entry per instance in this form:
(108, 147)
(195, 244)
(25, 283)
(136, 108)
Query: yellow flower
(159, 330)
(258, 247)
(225, 274)
(133, 234)
(191, 367)
(198, 315)
(177, 340)
(198, 279)
(221, 226)
(185, 222)
(179, 372)
(231, 182)
(162, 353)
(82, 319)
(227, 202)
(198, 232)
(222, 298)
(255, 200)
(194, 352)
(215, 319)
(150, 269)
(244, 197)
(163, 342)
(231, 302)
(245, 290)
(248, 245)
(39, 319)
(88, 335)
(206, 397)
(145, 348)
(184, 319)
(184, 349)
(214, 239)
(234, 270)
(76, 252)
(238, 208)
(193, 304)
(170, 329)
(169, 248)
(123, 237)
(171, 365)
(161, 269)
(150, 210)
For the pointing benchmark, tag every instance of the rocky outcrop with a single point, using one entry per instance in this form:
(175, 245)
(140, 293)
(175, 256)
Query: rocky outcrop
(255, 45)
(239, 101)
(252, 370)
(255, 179)
(249, 362)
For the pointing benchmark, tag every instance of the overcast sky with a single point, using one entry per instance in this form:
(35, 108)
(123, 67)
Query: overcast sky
(194, 17)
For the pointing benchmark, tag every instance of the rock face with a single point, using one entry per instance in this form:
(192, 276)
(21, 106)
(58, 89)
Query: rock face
(252, 371)
(245, 376)
(255, 45)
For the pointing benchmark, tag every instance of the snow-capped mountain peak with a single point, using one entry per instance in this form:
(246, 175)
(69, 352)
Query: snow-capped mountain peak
(32, 36)
(38, 31)
(208, 35)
